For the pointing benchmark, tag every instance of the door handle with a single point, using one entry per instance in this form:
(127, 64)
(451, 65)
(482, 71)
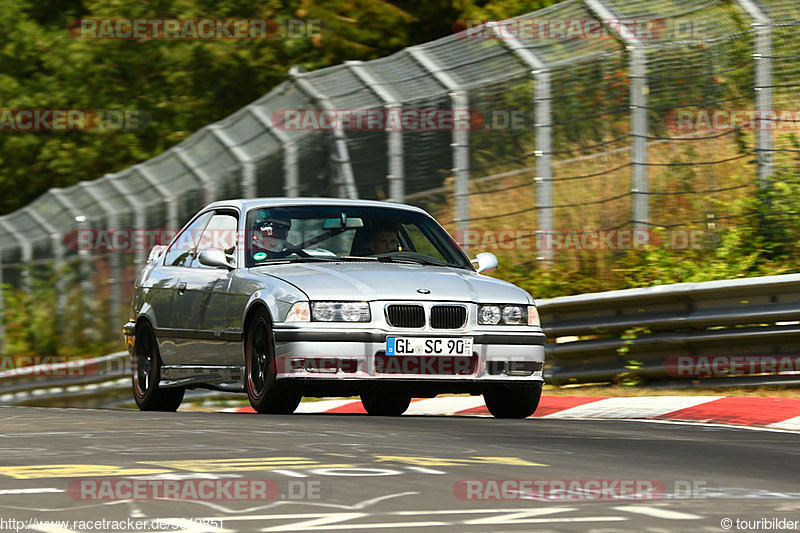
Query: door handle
(181, 287)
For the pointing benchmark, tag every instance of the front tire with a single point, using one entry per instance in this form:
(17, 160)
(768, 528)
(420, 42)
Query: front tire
(513, 402)
(385, 404)
(147, 373)
(267, 395)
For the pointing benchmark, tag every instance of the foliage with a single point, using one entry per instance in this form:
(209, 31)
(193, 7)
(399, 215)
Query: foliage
(181, 85)
(763, 240)
(33, 327)
(632, 375)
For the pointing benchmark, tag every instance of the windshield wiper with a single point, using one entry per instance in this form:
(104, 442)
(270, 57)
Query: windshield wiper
(316, 259)
(413, 261)
(287, 260)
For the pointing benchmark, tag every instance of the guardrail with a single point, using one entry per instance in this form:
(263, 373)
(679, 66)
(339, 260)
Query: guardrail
(93, 382)
(87, 382)
(594, 338)
(638, 332)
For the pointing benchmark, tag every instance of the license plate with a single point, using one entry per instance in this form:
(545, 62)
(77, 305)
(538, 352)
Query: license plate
(428, 346)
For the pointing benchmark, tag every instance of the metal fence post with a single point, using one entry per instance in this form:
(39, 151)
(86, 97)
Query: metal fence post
(544, 143)
(291, 182)
(115, 263)
(58, 246)
(638, 105)
(2, 308)
(139, 214)
(27, 257)
(460, 144)
(248, 167)
(84, 256)
(209, 184)
(348, 187)
(172, 205)
(394, 146)
(640, 131)
(27, 252)
(762, 58)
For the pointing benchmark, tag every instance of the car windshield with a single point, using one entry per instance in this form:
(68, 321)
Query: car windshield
(347, 233)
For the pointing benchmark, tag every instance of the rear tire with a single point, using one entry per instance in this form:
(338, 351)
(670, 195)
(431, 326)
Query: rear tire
(513, 402)
(385, 404)
(147, 374)
(266, 393)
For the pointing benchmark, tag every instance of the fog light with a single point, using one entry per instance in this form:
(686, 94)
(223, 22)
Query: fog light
(522, 368)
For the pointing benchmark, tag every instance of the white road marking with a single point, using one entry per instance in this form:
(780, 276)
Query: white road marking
(279, 503)
(443, 406)
(638, 407)
(289, 473)
(549, 520)
(423, 470)
(327, 521)
(51, 528)
(529, 512)
(323, 405)
(791, 423)
(3, 492)
(657, 512)
(715, 425)
(344, 520)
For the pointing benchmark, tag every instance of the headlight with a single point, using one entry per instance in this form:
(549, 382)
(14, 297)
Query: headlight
(340, 311)
(489, 314)
(512, 315)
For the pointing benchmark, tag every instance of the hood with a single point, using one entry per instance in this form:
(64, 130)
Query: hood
(385, 281)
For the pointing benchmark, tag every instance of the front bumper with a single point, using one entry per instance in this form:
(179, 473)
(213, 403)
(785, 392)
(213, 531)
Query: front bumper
(320, 354)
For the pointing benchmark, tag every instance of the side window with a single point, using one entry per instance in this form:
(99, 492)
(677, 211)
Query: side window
(180, 252)
(220, 232)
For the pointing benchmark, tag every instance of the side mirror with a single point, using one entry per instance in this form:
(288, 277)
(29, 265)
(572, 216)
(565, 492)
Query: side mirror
(157, 251)
(214, 257)
(485, 261)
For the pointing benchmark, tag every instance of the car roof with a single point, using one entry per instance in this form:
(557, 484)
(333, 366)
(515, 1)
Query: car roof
(245, 204)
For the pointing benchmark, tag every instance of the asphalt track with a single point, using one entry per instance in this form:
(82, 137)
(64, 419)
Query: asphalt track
(354, 472)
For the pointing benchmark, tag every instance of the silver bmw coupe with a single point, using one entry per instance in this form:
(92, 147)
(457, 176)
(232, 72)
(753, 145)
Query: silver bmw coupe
(282, 298)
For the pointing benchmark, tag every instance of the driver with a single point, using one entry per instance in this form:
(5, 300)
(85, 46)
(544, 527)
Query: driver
(384, 239)
(269, 236)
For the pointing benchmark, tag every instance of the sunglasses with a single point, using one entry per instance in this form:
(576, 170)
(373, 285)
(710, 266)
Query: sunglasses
(274, 230)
